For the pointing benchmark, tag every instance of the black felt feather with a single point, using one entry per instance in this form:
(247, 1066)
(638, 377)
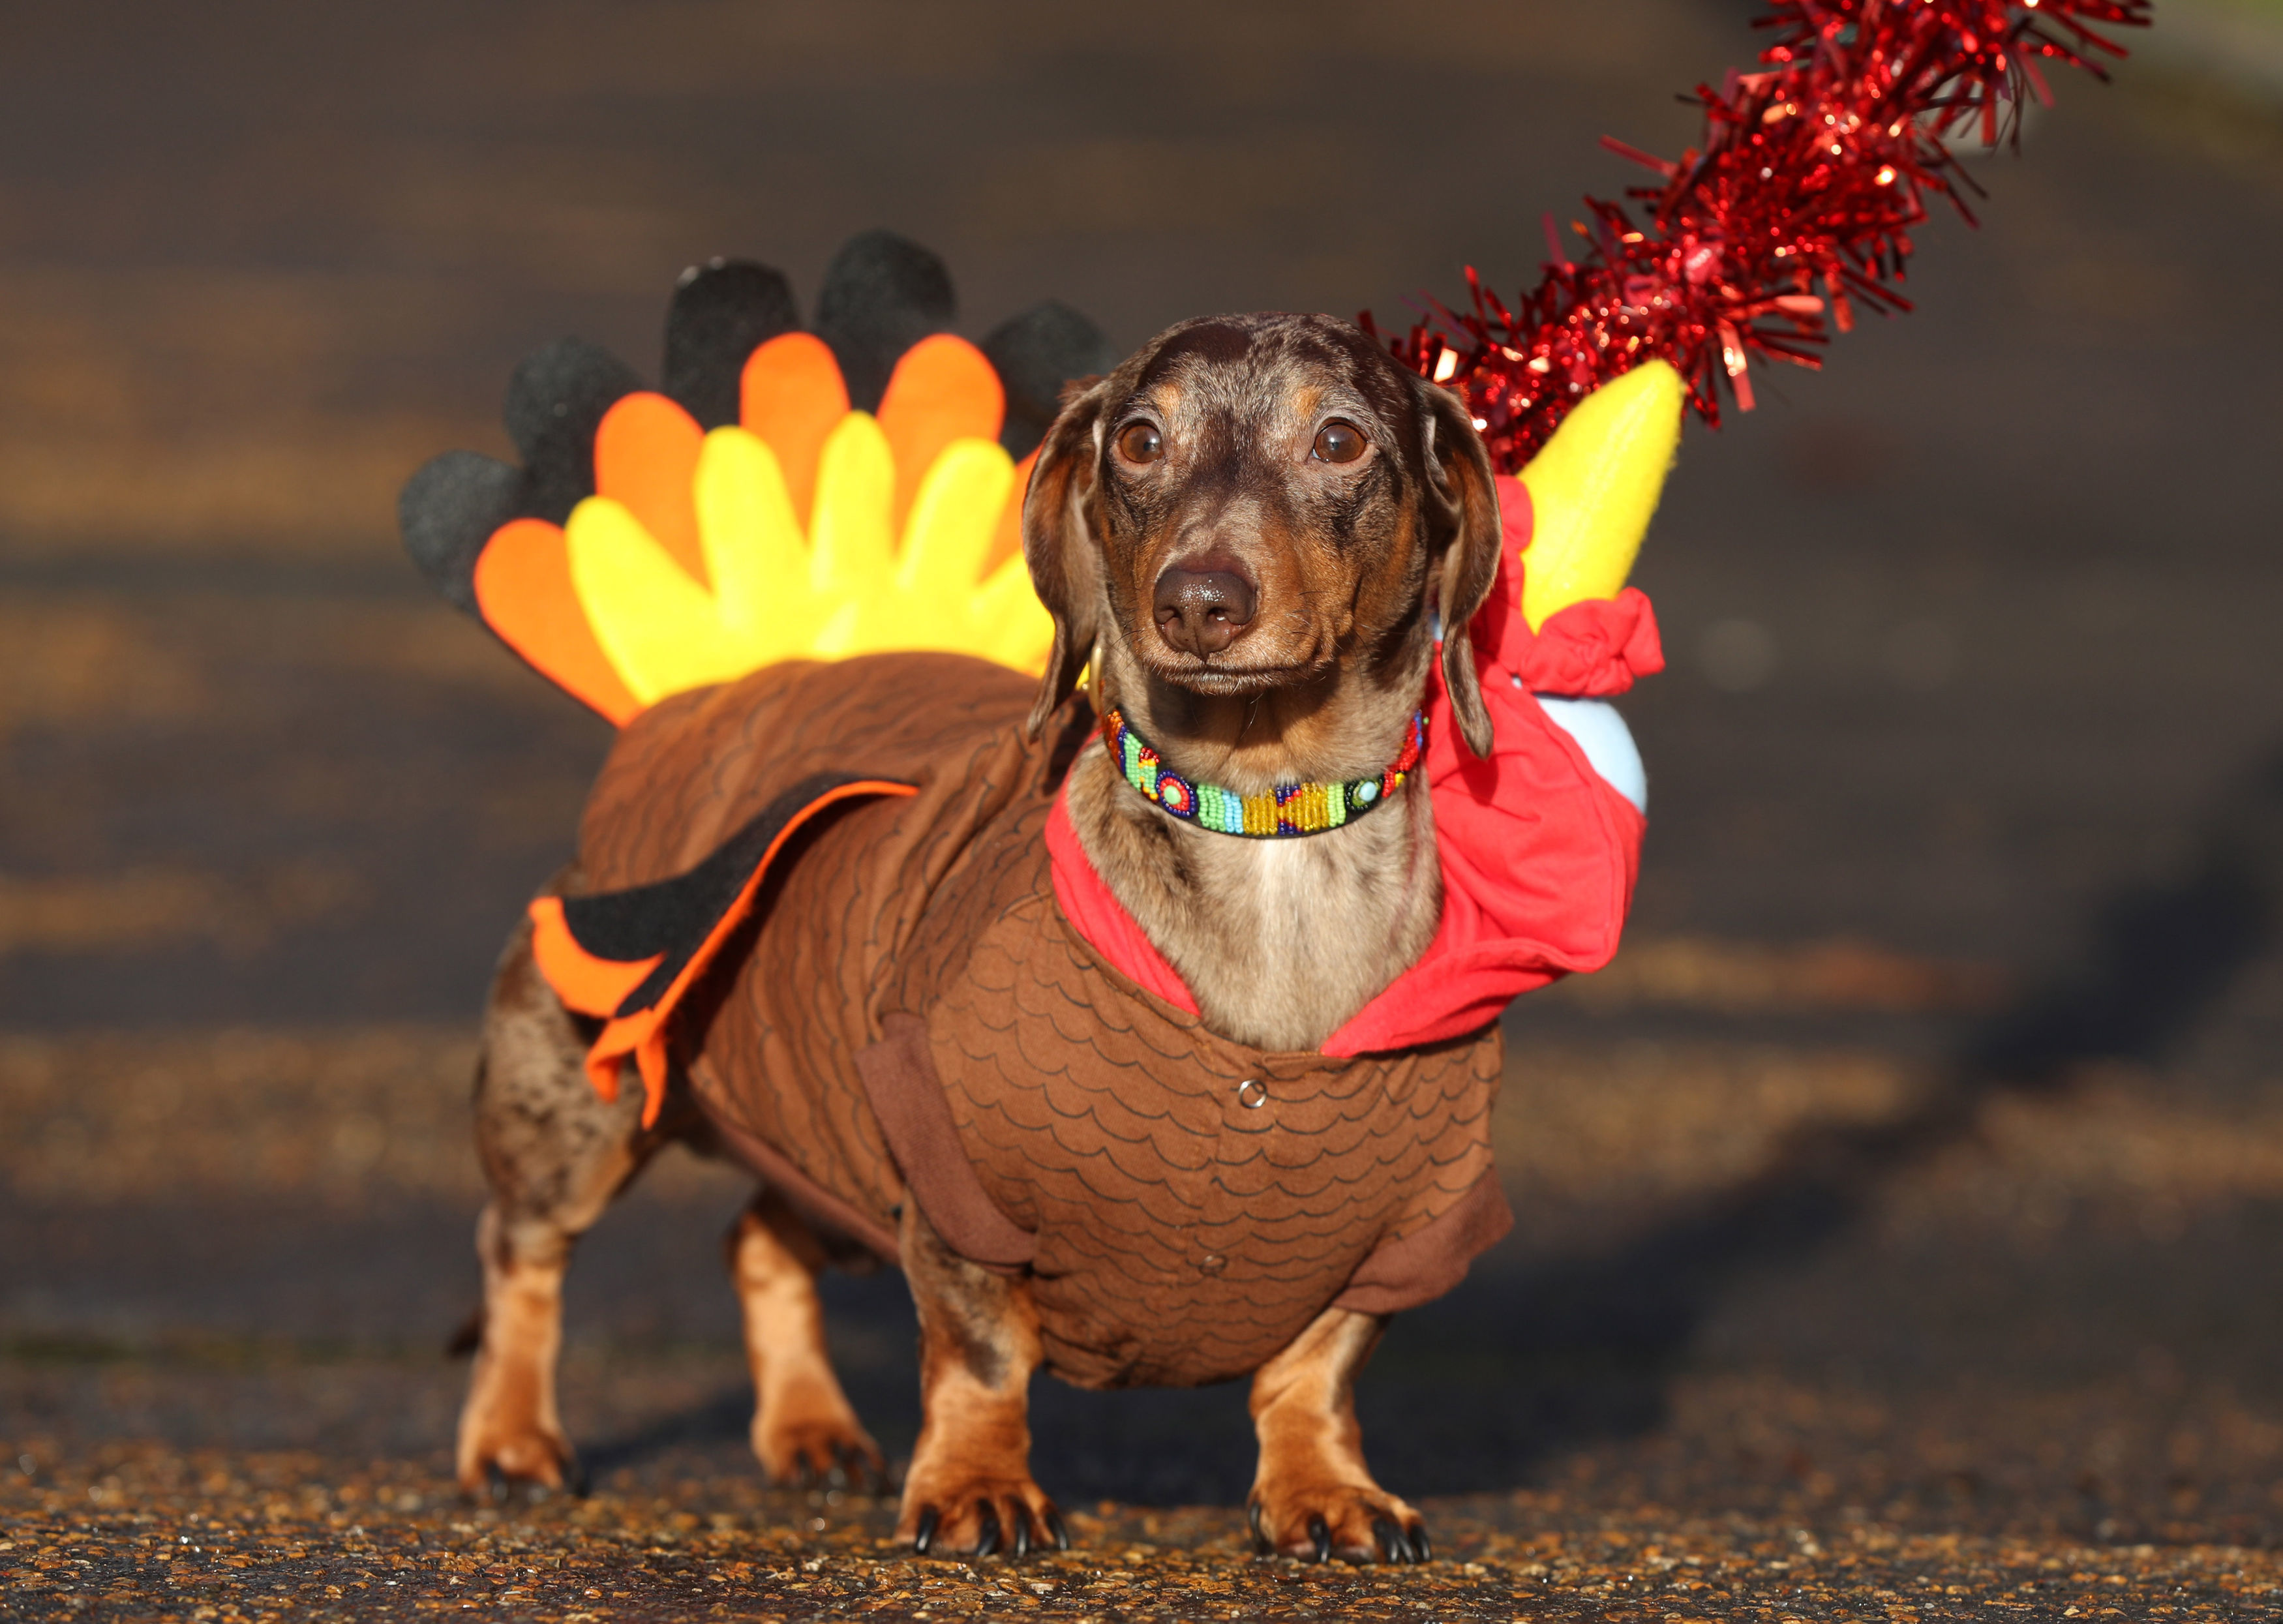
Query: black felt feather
(882, 293)
(1035, 353)
(555, 403)
(449, 510)
(721, 314)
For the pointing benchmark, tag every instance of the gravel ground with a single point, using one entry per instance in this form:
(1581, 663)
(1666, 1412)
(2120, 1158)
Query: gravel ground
(146, 1533)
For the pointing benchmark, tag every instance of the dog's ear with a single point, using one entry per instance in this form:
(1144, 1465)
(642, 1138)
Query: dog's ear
(1058, 544)
(1459, 466)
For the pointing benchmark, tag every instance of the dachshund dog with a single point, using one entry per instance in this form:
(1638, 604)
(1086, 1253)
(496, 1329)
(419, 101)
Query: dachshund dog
(1252, 536)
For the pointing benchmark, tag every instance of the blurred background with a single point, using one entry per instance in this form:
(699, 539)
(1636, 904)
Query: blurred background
(1921, 1153)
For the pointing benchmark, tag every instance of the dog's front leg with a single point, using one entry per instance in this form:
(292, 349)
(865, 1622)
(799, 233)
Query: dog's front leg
(1313, 1496)
(969, 1485)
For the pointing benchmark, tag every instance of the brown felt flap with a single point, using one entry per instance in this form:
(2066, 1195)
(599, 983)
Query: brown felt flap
(907, 1097)
(813, 1200)
(1420, 1267)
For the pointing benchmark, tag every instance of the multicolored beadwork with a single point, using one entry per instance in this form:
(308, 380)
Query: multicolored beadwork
(1287, 809)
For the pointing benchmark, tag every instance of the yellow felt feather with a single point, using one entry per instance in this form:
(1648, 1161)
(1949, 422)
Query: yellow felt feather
(1593, 487)
(754, 552)
(661, 630)
(954, 519)
(852, 544)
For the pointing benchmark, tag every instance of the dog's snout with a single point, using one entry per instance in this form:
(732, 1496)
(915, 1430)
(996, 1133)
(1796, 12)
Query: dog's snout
(1202, 612)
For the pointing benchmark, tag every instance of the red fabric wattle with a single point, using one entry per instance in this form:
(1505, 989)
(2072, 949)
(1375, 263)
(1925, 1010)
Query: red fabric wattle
(1589, 650)
(1538, 858)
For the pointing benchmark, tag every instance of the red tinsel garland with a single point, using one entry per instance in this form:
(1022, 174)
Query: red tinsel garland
(1811, 174)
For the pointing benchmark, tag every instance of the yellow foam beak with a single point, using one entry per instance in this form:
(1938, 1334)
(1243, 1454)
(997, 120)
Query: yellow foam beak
(1594, 486)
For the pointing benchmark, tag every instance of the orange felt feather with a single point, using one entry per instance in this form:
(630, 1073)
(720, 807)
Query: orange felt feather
(942, 389)
(523, 588)
(1007, 541)
(646, 456)
(792, 396)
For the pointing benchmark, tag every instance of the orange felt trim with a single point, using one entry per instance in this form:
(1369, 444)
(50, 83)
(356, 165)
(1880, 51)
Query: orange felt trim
(643, 1033)
(646, 456)
(1007, 540)
(791, 395)
(590, 985)
(523, 588)
(943, 389)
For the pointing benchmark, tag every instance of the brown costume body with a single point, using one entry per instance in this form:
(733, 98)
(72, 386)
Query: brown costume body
(909, 1016)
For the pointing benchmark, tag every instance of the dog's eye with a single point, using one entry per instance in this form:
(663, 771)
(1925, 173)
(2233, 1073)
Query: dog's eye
(1339, 442)
(1141, 442)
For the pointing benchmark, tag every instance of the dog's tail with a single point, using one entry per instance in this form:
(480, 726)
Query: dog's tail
(786, 494)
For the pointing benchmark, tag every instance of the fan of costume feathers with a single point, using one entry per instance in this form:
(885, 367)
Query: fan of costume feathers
(786, 494)
(856, 486)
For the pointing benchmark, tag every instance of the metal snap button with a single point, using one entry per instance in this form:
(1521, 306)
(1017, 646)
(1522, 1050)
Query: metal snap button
(1251, 1094)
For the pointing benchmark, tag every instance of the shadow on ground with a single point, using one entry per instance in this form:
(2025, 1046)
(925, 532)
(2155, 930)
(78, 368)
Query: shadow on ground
(1561, 1356)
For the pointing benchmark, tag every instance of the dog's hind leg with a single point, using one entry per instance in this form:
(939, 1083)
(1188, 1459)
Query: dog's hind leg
(970, 1487)
(554, 1154)
(1314, 1497)
(804, 1428)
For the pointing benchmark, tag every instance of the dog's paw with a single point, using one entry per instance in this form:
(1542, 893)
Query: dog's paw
(979, 1516)
(490, 1461)
(1318, 1522)
(816, 1451)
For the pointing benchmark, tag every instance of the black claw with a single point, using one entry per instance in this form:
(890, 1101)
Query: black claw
(1021, 1520)
(1320, 1532)
(1421, 1550)
(575, 1481)
(987, 1540)
(1389, 1538)
(1252, 1517)
(925, 1536)
(494, 1482)
(1055, 1528)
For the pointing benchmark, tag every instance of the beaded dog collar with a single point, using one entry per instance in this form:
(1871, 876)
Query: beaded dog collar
(1287, 809)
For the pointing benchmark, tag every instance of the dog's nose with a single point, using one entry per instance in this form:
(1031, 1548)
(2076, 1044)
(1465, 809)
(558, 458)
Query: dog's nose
(1202, 612)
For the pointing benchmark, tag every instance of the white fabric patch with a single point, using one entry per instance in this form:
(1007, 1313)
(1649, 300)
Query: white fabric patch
(1606, 740)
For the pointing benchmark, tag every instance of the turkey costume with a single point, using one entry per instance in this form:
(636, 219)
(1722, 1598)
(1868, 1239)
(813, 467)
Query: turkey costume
(839, 899)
